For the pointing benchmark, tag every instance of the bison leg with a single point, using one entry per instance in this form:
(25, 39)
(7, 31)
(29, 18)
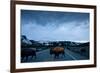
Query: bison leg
(35, 56)
(56, 55)
(26, 58)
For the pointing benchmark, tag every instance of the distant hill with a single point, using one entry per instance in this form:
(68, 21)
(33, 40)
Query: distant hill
(84, 44)
(32, 43)
(25, 41)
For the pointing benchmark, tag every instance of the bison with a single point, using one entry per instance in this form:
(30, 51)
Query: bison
(57, 51)
(26, 52)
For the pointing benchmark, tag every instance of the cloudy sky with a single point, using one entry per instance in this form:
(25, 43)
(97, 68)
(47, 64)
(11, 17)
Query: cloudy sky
(55, 26)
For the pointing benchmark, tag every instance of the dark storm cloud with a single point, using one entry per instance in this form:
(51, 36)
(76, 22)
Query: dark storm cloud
(51, 25)
(45, 17)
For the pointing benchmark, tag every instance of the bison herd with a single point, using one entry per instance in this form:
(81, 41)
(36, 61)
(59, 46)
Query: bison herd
(31, 52)
(27, 54)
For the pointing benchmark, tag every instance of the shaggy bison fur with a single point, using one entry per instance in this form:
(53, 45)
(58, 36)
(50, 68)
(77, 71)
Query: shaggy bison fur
(57, 51)
(26, 52)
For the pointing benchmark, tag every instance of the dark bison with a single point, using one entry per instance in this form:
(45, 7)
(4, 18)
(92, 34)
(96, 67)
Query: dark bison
(57, 51)
(82, 50)
(26, 52)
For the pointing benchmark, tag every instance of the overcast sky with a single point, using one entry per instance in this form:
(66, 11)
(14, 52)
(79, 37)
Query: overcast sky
(55, 26)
